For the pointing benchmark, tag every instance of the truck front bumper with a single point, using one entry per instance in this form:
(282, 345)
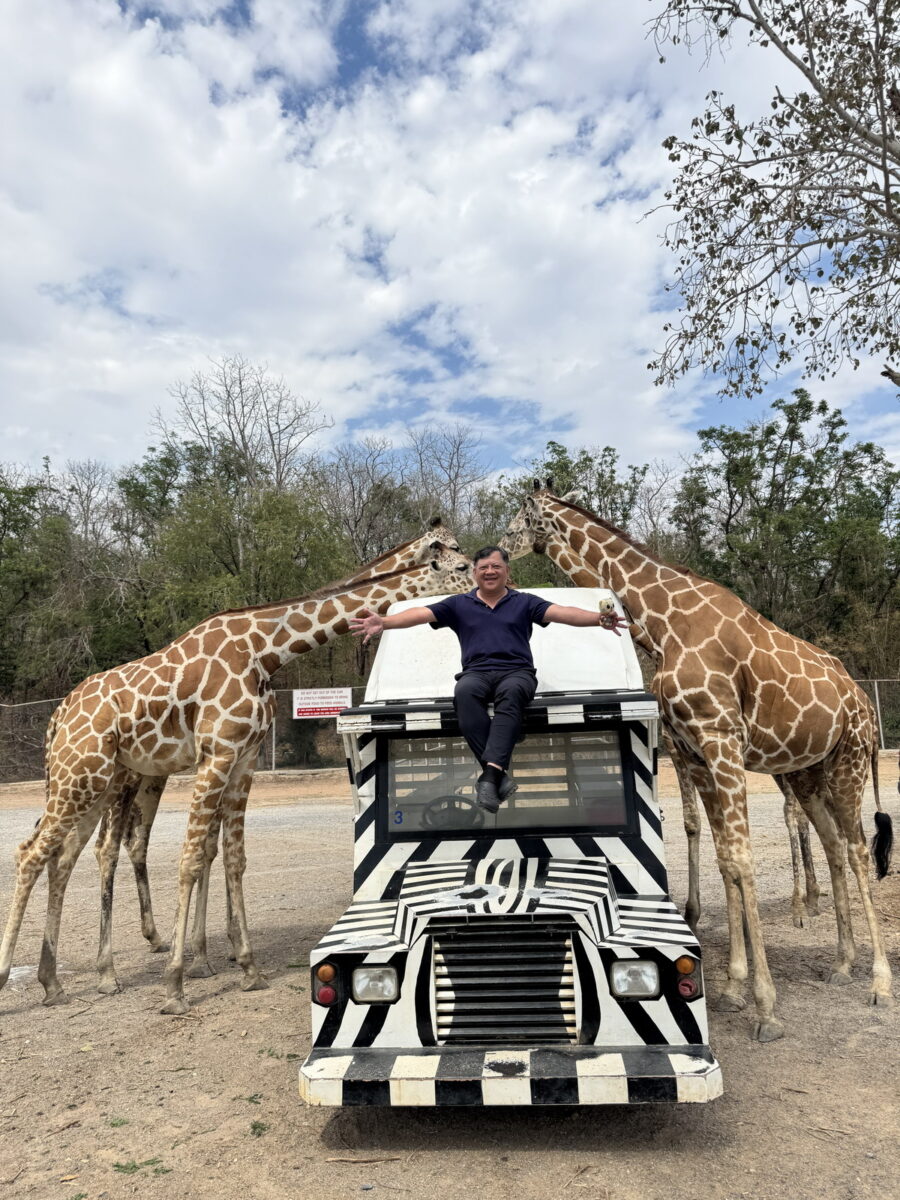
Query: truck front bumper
(551, 1075)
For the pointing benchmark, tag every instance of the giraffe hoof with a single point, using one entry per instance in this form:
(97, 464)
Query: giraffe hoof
(839, 978)
(109, 987)
(799, 922)
(881, 1000)
(54, 998)
(258, 984)
(200, 970)
(729, 1003)
(176, 1007)
(160, 947)
(768, 1031)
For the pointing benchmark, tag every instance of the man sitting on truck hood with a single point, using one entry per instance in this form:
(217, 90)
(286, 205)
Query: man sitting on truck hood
(493, 623)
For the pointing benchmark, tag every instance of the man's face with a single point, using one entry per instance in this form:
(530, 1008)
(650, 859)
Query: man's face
(491, 573)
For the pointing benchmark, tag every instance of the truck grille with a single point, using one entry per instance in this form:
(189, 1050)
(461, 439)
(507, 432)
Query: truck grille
(504, 980)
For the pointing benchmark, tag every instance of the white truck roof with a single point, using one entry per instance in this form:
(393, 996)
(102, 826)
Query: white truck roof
(420, 663)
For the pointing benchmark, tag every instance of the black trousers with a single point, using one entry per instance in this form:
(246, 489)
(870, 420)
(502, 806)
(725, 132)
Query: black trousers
(492, 740)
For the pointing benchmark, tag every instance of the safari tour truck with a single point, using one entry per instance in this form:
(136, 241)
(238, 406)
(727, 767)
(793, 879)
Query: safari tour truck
(528, 957)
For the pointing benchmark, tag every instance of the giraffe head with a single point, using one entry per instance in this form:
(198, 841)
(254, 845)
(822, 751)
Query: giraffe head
(530, 530)
(449, 571)
(437, 531)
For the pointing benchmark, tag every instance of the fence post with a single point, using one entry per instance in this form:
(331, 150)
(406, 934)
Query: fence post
(274, 725)
(878, 711)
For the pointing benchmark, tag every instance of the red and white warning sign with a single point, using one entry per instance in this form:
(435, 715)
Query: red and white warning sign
(321, 702)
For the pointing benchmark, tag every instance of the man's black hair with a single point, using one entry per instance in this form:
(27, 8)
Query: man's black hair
(487, 551)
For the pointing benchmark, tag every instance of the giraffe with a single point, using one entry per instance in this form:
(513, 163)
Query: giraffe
(805, 895)
(739, 692)
(129, 819)
(203, 700)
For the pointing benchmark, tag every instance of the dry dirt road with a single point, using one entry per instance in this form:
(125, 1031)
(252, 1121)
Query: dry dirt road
(107, 1098)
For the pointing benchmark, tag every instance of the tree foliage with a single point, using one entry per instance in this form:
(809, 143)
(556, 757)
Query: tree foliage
(98, 567)
(801, 523)
(786, 225)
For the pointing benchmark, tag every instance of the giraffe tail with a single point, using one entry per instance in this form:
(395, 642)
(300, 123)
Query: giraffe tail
(883, 841)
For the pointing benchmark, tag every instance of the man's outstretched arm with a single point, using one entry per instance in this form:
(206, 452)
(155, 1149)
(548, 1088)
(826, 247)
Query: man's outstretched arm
(371, 624)
(564, 614)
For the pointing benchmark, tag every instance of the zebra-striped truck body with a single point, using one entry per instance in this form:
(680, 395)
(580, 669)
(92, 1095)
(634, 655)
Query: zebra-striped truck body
(507, 938)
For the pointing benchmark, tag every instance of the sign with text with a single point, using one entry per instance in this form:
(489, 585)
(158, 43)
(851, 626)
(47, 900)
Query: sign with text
(320, 702)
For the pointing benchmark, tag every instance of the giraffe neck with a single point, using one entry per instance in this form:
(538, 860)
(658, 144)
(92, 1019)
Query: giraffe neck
(642, 584)
(280, 632)
(586, 576)
(384, 564)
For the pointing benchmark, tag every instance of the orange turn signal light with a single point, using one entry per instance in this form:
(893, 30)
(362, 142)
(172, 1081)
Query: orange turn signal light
(685, 965)
(325, 973)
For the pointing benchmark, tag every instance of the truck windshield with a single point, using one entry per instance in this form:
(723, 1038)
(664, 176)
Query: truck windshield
(565, 779)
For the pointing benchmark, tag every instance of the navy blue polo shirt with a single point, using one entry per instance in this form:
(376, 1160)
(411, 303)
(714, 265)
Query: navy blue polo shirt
(492, 639)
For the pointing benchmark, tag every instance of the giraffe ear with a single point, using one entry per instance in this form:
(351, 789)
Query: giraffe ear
(576, 496)
(435, 521)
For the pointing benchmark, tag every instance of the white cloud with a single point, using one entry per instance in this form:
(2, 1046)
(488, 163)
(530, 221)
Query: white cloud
(458, 233)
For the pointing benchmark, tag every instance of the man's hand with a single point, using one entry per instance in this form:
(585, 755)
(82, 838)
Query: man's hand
(613, 622)
(368, 625)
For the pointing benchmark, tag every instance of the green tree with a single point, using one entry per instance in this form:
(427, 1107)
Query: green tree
(802, 523)
(786, 226)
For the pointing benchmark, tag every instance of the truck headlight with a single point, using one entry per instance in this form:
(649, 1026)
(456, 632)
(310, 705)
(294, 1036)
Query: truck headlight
(635, 978)
(374, 984)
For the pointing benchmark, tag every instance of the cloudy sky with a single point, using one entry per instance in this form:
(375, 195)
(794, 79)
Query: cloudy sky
(415, 211)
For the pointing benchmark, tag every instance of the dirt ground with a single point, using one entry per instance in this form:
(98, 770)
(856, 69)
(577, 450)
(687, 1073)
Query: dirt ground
(107, 1098)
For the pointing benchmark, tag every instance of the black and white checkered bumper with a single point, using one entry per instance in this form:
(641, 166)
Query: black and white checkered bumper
(557, 1075)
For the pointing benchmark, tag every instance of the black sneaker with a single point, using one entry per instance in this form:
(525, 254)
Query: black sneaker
(487, 796)
(506, 788)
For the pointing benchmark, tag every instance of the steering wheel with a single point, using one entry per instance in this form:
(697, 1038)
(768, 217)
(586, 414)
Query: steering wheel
(452, 812)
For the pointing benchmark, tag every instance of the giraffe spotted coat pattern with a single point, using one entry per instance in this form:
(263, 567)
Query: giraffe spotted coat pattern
(739, 692)
(130, 817)
(204, 701)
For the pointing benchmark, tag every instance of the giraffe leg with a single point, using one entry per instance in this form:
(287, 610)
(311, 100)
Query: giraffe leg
(235, 865)
(79, 800)
(690, 811)
(880, 992)
(813, 891)
(106, 850)
(723, 790)
(212, 780)
(56, 884)
(137, 840)
(234, 934)
(731, 998)
(31, 857)
(200, 967)
(60, 865)
(811, 789)
(791, 820)
(846, 776)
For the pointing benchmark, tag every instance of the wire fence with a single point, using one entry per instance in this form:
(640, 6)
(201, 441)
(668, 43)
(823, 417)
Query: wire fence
(293, 744)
